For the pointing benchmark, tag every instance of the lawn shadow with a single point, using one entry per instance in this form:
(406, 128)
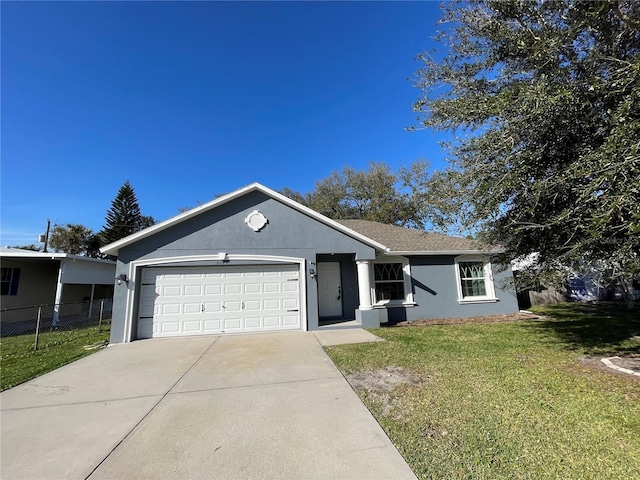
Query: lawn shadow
(597, 329)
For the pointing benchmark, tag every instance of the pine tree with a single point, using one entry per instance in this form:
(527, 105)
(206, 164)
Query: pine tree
(124, 216)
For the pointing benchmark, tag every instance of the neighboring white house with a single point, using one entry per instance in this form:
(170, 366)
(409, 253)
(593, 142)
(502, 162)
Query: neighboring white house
(37, 278)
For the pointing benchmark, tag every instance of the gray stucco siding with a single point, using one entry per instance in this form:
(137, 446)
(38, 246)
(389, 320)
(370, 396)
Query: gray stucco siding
(289, 233)
(434, 286)
(223, 229)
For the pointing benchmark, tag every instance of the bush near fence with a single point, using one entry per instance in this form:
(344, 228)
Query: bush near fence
(37, 319)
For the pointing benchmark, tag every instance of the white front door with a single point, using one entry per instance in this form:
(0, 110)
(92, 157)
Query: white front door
(329, 289)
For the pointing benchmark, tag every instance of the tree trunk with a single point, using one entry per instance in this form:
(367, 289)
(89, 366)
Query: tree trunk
(628, 293)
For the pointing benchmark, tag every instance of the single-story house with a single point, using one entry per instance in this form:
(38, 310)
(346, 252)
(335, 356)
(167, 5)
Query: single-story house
(37, 278)
(255, 261)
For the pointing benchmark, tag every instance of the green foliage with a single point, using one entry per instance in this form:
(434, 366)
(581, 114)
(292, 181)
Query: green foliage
(124, 217)
(377, 194)
(56, 348)
(508, 400)
(73, 238)
(545, 100)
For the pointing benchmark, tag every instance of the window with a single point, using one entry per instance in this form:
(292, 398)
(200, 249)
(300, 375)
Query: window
(389, 281)
(475, 283)
(9, 281)
(392, 280)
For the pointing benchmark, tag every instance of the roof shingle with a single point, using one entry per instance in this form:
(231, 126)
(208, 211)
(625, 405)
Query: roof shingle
(402, 239)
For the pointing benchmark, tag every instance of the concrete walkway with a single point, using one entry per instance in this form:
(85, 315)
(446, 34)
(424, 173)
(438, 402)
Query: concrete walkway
(245, 406)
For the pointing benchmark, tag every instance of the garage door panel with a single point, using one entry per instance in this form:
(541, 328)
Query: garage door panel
(192, 326)
(271, 321)
(171, 276)
(170, 309)
(212, 326)
(289, 303)
(171, 291)
(213, 290)
(253, 305)
(232, 323)
(170, 327)
(290, 287)
(271, 287)
(213, 307)
(252, 322)
(252, 288)
(191, 276)
(214, 300)
(192, 308)
(233, 289)
(290, 320)
(271, 304)
(193, 290)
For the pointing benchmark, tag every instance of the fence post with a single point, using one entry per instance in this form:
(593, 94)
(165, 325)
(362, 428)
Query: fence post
(35, 345)
(100, 320)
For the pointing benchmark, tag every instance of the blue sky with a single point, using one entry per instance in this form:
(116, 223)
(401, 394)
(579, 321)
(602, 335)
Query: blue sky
(188, 100)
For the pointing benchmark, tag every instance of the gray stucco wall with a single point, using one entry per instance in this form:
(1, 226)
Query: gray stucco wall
(435, 291)
(289, 233)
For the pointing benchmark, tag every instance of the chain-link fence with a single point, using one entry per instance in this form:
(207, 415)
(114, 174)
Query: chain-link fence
(39, 319)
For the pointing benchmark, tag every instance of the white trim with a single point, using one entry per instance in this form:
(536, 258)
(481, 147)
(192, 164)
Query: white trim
(490, 296)
(113, 248)
(136, 265)
(27, 254)
(406, 277)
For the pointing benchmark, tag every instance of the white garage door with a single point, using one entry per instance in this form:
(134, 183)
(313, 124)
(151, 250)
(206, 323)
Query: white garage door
(177, 301)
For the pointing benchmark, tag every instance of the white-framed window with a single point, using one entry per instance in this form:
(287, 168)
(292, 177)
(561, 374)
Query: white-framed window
(9, 281)
(392, 281)
(474, 278)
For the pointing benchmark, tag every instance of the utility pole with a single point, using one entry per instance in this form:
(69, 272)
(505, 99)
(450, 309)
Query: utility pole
(46, 235)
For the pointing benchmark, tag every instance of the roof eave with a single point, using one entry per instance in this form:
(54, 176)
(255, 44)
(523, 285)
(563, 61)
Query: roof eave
(53, 256)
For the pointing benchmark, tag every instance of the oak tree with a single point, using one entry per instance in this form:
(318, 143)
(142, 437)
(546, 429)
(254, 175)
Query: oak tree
(376, 194)
(543, 101)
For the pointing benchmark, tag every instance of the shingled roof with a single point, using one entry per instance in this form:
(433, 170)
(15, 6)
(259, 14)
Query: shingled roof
(401, 239)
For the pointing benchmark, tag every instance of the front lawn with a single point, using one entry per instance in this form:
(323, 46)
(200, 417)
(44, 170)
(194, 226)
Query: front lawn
(19, 362)
(506, 400)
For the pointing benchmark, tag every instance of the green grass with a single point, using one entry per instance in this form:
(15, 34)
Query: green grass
(509, 400)
(19, 362)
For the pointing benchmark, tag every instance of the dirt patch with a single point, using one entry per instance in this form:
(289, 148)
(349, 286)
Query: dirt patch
(379, 384)
(383, 380)
(511, 317)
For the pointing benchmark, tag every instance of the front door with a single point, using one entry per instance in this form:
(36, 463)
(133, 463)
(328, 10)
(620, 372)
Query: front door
(329, 289)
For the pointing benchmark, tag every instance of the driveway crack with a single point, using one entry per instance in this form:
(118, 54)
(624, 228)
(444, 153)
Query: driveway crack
(152, 408)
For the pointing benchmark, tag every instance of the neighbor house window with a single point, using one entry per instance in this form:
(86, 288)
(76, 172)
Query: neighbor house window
(392, 280)
(9, 281)
(475, 282)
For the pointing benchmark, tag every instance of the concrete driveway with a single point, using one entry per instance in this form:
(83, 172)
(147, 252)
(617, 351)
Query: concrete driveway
(245, 406)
